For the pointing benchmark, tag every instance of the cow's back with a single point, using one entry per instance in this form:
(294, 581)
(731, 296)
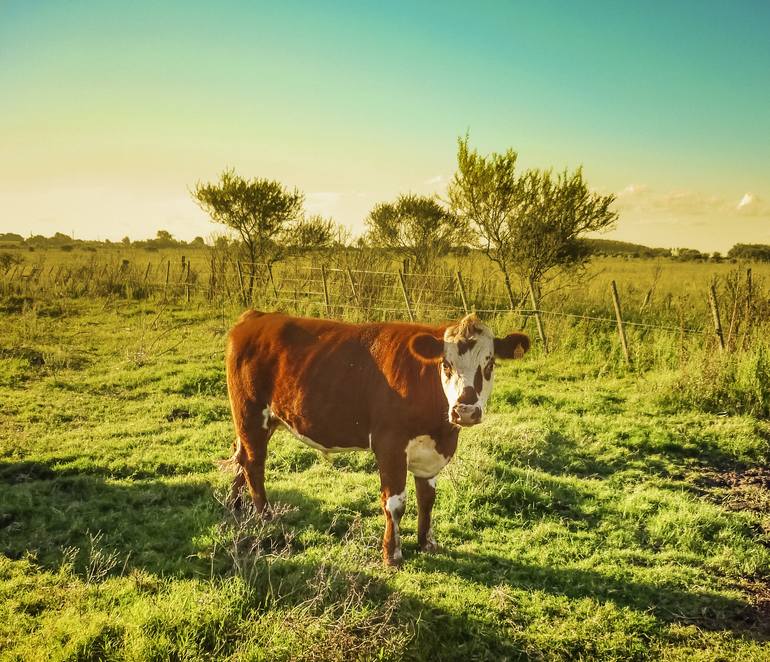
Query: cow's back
(332, 382)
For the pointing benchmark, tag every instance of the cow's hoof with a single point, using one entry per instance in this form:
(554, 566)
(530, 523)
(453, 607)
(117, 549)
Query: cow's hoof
(430, 547)
(394, 561)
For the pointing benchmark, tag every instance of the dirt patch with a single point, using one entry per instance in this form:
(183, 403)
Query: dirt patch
(738, 490)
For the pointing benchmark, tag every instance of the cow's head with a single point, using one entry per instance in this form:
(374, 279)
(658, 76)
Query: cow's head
(467, 357)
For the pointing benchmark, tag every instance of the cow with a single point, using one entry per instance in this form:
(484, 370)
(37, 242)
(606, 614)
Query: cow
(402, 391)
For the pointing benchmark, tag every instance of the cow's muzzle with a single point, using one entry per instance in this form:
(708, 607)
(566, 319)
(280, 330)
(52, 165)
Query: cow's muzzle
(465, 415)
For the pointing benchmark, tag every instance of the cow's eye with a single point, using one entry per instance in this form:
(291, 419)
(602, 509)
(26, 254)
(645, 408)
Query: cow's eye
(447, 367)
(489, 368)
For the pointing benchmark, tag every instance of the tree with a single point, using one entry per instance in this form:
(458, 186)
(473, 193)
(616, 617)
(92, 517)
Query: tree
(414, 226)
(261, 211)
(528, 223)
(164, 238)
(311, 234)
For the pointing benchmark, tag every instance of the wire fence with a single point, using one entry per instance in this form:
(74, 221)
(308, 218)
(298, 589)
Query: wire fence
(370, 294)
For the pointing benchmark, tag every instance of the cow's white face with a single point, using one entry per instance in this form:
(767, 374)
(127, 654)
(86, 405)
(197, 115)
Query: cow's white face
(467, 358)
(467, 371)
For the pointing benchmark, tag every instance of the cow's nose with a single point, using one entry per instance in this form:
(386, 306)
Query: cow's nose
(468, 396)
(466, 415)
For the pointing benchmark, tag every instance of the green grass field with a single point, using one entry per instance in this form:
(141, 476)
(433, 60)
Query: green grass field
(598, 513)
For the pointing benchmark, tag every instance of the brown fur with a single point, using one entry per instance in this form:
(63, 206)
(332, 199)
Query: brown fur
(337, 384)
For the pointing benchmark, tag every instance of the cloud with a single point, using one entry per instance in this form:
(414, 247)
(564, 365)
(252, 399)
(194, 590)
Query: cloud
(632, 190)
(438, 180)
(745, 201)
(685, 202)
(752, 205)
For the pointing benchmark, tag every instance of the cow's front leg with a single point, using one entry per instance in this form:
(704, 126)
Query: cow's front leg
(393, 498)
(426, 495)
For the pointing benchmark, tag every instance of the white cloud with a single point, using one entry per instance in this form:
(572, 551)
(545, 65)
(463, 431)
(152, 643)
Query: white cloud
(632, 189)
(747, 200)
(438, 180)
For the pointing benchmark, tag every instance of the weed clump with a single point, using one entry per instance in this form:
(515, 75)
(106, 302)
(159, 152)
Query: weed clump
(734, 383)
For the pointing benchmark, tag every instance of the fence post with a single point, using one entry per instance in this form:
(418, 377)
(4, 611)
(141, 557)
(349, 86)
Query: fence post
(187, 283)
(165, 285)
(748, 295)
(463, 295)
(146, 273)
(538, 317)
(240, 281)
(326, 290)
(510, 291)
(715, 315)
(619, 318)
(406, 296)
(272, 281)
(353, 286)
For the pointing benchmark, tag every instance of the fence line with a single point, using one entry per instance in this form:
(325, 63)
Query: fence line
(330, 290)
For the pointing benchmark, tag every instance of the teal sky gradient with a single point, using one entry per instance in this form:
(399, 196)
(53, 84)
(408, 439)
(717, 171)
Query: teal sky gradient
(110, 111)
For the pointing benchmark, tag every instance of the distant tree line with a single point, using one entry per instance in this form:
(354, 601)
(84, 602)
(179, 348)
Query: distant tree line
(530, 223)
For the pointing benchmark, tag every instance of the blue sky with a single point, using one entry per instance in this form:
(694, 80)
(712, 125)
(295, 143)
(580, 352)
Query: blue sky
(110, 111)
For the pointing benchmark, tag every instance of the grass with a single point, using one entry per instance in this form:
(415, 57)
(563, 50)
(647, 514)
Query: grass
(596, 514)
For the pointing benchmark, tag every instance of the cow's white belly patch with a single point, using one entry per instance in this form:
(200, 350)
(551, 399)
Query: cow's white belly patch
(422, 458)
(314, 444)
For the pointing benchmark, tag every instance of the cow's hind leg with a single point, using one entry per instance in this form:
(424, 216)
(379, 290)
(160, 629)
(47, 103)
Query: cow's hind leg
(253, 434)
(425, 489)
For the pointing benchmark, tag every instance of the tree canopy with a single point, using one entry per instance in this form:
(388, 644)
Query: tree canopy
(417, 227)
(529, 223)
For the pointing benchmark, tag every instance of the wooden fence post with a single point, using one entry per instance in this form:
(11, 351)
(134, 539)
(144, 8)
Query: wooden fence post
(187, 283)
(240, 282)
(463, 295)
(715, 315)
(326, 290)
(272, 280)
(619, 318)
(146, 273)
(538, 318)
(406, 296)
(353, 286)
(165, 285)
(748, 295)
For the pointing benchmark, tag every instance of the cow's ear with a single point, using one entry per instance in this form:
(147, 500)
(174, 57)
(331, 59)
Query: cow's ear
(513, 346)
(426, 348)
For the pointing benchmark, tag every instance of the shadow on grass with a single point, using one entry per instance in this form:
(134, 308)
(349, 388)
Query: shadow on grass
(163, 528)
(559, 453)
(705, 609)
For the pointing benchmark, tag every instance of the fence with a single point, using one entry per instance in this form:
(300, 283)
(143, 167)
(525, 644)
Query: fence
(360, 294)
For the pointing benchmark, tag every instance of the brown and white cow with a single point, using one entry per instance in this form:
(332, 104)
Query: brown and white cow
(402, 391)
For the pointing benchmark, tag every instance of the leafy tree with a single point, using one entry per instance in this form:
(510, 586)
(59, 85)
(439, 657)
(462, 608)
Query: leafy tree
(268, 218)
(528, 223)
(126, 241)
(759, 252)
(261, 211)
(313, 233)
(415, 226)
(164, 238)
(11, 236)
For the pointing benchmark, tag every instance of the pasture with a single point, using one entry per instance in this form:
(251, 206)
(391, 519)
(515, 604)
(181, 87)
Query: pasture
(599, 512)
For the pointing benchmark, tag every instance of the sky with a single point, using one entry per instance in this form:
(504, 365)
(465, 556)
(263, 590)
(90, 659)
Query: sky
(110, 112)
